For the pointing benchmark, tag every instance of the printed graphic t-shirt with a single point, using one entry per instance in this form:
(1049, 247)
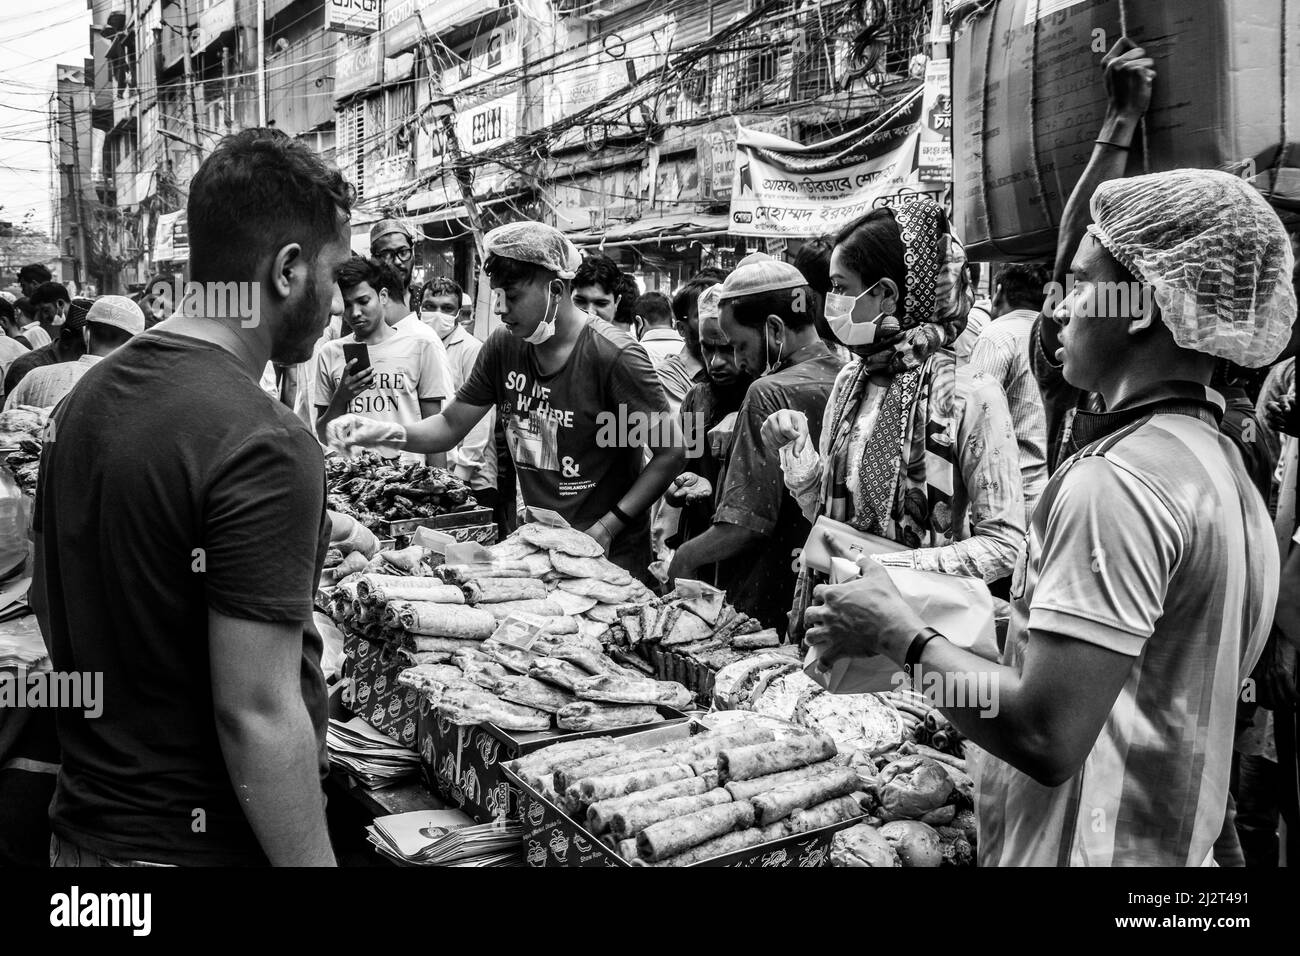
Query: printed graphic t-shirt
(576, 435)
(169, 445)
(408, 369)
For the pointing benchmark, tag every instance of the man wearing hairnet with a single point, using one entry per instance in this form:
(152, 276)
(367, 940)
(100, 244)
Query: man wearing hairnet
(581, 400)
(1146, 587)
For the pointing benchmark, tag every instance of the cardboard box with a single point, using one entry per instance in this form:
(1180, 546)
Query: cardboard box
(552, 838)
(1029, 101)
(463, 764)
(374, 694)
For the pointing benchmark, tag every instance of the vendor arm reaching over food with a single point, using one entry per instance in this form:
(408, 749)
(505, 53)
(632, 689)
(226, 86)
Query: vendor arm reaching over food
(580, 400)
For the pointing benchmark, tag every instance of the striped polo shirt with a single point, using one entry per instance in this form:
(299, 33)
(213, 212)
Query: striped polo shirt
(1153, 543)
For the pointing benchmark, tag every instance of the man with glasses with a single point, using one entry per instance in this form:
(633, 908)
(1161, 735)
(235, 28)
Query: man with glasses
(393, 241)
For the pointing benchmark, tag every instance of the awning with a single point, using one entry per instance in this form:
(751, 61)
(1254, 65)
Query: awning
(457, 210)
(655, 229)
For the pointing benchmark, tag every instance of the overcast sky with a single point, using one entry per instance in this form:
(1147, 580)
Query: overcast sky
(34, 36)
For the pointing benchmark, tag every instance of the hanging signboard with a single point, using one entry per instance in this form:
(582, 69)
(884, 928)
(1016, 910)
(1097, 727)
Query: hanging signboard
(776, 195)
(358, 64)
(492, 54)
(358, 17)
(489, 124)
(716, 153)
(936, 124)
(171, 238)
(400, 26)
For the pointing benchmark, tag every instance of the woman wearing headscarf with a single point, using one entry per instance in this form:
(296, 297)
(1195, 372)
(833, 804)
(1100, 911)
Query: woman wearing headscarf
(911, 449)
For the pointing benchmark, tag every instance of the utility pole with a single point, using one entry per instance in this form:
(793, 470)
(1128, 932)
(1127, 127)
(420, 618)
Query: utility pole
(82, 236)
(447, 115)
(189, 85)
(261, 62)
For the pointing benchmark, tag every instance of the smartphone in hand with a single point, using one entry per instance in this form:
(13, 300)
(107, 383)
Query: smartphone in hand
(358, 351)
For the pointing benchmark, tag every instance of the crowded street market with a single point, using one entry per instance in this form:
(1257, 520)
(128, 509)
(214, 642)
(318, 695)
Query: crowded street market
(646, 434)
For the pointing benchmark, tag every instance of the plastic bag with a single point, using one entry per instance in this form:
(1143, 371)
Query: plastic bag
(15, 524)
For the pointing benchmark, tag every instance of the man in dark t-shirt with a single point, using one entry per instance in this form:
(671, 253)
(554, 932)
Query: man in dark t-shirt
(580, 400)
(180, 531)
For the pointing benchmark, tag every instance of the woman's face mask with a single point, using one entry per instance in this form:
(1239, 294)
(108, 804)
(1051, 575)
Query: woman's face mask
(846, 318)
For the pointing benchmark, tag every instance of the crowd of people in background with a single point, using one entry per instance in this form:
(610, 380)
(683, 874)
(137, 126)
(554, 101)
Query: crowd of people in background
(1109, 474)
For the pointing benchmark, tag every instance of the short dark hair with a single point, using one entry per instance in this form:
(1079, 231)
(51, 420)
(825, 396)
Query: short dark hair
(258, 191)
(441, 285)
(688, 293)
(391, 278)
(24, 305)
(6, 309)
(599, 270)
(360, 269)
(514, 271)
(873, 248)
(47, 293)
(1023, 284)
(814, 260)
(655, 308)
(627, 293)
(104, 335)
(34, 272)
(796, 308)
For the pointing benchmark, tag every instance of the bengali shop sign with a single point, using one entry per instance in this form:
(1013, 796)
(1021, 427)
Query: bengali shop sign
(357, 17)
(775, 193)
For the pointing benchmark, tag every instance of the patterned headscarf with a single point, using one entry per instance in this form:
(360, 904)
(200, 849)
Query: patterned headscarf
(905, 474)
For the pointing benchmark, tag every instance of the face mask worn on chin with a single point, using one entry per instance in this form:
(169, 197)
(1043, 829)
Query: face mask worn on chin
(545, 328)
(839, 316)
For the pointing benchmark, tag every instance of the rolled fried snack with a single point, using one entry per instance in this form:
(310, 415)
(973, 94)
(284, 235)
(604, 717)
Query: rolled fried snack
(603, 614)
(366, 584)
(759, 639)
(596, 663)
(440, 620)
(718, 846)
(407, 559)
(600, 815)
(777, 804)
(447, 594)
(512, 658)
(748, 789)
(618, 760)
(500, 590)
(500, 610)
(584, 715)
(677, 835)
(545, 759)
(823, 815)
(423, 676)
(445, 645)
(459, 574)
(632, 819)
(622, 689)
(557, 672)
(434, 657)
(708, 746)
(758, 760)
(532, 693)
(593, 789)
(512, 548)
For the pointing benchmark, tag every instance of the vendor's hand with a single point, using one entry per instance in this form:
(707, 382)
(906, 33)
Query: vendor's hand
(1129, 75)
(604, 537)
(353, 385)
(687, 486)
(720, 436)
(783, 427)
(350, 432)
(860, 617)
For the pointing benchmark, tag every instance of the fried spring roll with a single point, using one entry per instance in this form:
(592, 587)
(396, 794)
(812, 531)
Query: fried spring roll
(631, 820)
(758, 760)
(668, 838)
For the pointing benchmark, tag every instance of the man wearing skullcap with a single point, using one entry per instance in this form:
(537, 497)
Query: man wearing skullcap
(111, 321)
(1146, 588)
(69, 341)
(580, 400)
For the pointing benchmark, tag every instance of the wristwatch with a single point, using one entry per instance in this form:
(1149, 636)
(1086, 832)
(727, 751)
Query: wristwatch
(914, 650)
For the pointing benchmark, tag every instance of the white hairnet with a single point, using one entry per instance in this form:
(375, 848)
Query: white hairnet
(1215, 254)
(709, 305)
(534, 242)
